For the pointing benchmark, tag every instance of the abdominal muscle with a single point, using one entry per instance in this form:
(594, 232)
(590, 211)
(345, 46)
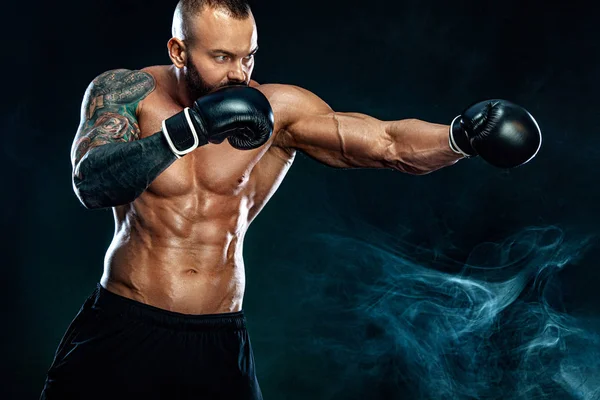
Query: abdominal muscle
(165, 253)
(178, 246)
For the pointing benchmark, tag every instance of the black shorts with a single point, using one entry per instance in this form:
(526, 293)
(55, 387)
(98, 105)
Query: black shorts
(119, 348)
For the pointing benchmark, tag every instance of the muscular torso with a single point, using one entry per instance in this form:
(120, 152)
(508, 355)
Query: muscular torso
(179, 245)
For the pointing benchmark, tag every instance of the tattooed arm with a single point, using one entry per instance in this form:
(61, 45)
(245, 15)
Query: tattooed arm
(111, 164)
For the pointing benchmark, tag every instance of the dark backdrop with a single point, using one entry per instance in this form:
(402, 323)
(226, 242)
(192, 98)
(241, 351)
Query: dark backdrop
(354, 282)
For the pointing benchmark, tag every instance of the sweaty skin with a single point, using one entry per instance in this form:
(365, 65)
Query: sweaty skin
(179, 245)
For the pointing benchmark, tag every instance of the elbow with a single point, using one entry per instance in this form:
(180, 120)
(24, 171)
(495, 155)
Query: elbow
(82, 188)
(89, 192)
(88, 204)
(94, 197)
(92, 190)
(96, 187)
(87, 197)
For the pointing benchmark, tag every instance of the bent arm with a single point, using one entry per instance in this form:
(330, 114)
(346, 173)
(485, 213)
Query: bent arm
(111, 165)
(354, 140)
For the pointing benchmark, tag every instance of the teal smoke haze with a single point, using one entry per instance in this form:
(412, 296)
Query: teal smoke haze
(491, 329)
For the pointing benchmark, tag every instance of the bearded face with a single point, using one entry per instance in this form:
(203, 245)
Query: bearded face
(197, 85)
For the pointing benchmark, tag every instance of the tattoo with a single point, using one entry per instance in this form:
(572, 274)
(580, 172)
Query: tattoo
(110, 106)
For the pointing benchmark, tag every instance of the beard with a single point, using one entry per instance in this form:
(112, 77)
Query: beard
(197, 86)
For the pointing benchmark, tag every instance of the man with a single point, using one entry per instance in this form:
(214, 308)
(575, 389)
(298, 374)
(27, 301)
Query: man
(166, 319)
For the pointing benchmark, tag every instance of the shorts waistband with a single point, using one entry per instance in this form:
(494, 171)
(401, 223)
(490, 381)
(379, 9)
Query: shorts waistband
(114, 304)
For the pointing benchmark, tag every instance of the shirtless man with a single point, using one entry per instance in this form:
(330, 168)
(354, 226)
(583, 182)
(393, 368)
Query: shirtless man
(185, 179)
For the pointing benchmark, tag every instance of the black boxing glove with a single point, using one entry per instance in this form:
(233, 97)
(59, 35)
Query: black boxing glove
(239, 113)
(502, 133)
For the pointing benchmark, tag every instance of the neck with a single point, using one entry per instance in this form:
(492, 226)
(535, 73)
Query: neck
(180, 92)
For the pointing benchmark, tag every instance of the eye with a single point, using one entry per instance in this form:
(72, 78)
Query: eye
(222, 58)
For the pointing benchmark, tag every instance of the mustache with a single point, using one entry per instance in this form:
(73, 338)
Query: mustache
(234, 84)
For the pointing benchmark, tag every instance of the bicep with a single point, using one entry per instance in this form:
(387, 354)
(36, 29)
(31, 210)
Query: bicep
(109, 127)
(338, 139)
(108, 110)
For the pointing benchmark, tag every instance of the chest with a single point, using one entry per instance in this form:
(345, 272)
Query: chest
(215, 168)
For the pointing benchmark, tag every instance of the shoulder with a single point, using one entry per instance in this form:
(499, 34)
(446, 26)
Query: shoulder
(290, 102)
(117, 88)
(122, 86)
(289, 94)
(293, 106)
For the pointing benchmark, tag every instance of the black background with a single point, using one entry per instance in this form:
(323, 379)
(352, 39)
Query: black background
(391, 60)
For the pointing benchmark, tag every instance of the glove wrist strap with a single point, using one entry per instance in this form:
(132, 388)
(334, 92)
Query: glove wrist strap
(180, 133)
(457, 134)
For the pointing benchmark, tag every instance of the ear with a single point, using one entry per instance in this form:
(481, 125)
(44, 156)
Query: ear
(177, 52)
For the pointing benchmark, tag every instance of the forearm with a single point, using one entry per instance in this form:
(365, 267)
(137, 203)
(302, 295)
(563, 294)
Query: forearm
(117, 173)
(418, 147)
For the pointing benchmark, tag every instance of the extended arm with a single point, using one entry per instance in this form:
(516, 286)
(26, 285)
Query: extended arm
(353, 140)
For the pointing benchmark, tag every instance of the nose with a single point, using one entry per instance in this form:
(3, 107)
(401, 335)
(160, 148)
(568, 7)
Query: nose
(237, 73)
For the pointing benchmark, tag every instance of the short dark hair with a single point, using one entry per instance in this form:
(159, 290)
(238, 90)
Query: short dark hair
(186, 9)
